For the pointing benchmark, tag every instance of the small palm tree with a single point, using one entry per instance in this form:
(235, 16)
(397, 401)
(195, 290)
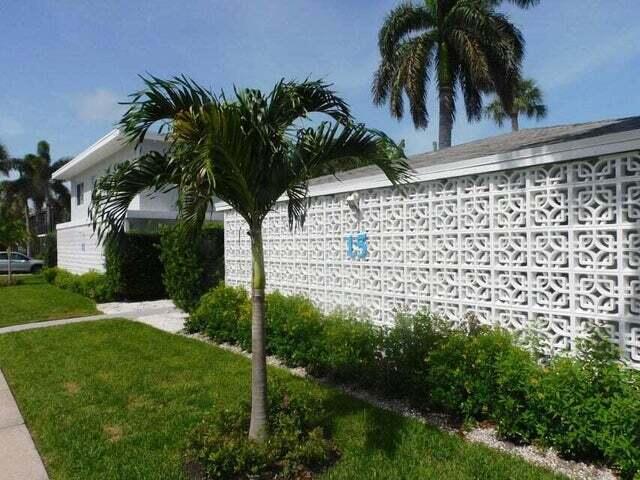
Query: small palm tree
(528, 101)
(459, 44)
(248, 151)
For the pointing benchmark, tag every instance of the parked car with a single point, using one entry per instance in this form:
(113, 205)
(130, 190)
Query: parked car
(19, 263)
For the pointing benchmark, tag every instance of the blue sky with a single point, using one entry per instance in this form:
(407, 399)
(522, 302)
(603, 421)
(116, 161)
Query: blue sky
(66, 63)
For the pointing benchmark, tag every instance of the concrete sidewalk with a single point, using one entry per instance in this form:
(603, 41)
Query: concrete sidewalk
(19, 459)
(161, 314)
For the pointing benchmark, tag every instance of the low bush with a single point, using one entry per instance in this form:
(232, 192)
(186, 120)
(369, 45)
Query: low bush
(93, 285)
(406, 347)
(586, 406)
(294, 329)
(192, 263)
(351, 350)
(298, 446)
(224, 314)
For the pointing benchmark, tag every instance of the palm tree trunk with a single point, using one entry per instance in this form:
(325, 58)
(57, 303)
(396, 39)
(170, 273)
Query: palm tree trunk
(446, 115)
(258, 426)
(515, 126)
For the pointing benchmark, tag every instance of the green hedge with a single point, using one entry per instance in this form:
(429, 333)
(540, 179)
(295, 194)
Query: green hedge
(191, 264)
(586, 407)
(133, 266)
(93, 285)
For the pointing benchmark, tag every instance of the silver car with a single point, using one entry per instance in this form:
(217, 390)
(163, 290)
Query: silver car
(19, 263)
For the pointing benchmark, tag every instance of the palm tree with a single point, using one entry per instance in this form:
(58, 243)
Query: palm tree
(5, 161)
(34, 184)
(528, 101)
(247, 151)
(460, 44)
(12, 231)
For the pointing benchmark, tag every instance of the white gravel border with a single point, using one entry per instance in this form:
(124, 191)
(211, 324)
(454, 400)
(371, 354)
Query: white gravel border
(547, 458)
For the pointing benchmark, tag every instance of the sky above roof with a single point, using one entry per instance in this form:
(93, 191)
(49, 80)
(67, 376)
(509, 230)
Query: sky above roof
(66, 64)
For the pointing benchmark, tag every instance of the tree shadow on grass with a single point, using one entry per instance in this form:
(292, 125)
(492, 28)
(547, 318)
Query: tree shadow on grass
(381, 429)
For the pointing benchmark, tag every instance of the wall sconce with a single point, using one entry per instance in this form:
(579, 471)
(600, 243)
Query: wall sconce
(353, 201)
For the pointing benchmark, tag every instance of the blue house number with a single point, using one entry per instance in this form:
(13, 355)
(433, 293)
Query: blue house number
(357, 245)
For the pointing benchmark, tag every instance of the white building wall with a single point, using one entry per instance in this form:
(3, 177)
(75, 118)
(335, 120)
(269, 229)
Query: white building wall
(78, 249)
(554, 246)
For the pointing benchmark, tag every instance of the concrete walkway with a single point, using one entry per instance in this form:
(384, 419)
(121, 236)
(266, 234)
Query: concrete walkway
(161, 314)
(19, 459)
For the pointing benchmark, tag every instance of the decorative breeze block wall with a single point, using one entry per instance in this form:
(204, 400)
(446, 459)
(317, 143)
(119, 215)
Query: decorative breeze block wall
(556, 246)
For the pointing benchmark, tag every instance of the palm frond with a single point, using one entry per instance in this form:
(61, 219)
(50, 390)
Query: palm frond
(400, 23)
(161, 101)
(112, 194)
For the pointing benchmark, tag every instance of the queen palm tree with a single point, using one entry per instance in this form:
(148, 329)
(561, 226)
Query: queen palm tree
(459, 44)
(247, 151)
(528, 101)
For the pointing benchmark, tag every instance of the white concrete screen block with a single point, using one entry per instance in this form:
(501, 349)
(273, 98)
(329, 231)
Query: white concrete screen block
(557, 244)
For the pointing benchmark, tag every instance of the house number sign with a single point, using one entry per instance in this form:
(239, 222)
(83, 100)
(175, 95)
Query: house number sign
(357, 246)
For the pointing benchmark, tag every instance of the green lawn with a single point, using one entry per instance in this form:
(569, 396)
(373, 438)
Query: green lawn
(34, 300)
(115, 400)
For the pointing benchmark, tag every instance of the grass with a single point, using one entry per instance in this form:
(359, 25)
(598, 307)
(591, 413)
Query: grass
(116, 399)
(34, 300)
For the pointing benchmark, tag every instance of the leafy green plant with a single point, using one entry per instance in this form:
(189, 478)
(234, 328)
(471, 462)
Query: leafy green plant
(93, 285)
(219, 448)
(406, 346)
(462, 372)
(294, 329)
(224, 314)
(192, 263)
(352, 350)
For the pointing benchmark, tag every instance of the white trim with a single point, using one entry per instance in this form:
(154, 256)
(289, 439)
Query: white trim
(362, 179)
(105, 146)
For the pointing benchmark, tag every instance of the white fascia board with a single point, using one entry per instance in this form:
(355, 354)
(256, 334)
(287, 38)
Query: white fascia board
(153, 214)
(561, 152)
(107, 145)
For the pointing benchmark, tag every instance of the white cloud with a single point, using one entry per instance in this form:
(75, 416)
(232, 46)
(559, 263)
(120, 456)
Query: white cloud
(102, 104)
(10, 126)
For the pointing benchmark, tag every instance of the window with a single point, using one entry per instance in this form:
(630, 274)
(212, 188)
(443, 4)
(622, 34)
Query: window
(18, 257)
(3, 256)
(79, 193)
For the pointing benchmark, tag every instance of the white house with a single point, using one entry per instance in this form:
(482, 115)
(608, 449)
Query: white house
(78, 248)
(539, 229)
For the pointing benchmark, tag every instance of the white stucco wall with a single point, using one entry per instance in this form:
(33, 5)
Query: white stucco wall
(556, 246)
(78, 249)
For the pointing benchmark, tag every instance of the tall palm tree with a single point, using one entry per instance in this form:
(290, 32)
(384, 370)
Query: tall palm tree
(34, 183)
(459, 44)
(5, 161)
(528, 101)
(248, 151)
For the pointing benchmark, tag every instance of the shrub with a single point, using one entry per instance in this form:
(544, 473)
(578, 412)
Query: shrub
(294, 329)
(191, 264)
(406, 347)
(92, 284)
(133, 265)
(351, 350)
(49, 250)
(220, 448)
(224, 314)
(49, 274)
(461, 374)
